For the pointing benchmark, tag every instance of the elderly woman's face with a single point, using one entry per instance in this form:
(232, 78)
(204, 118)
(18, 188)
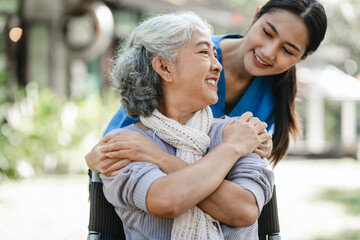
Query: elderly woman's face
(197, 71)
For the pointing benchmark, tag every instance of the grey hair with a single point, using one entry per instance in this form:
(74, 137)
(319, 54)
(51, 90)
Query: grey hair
(139, 86)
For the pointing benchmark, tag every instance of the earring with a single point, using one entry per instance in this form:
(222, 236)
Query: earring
(258, 9)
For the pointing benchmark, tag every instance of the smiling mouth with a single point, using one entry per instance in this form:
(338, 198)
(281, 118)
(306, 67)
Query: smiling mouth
(260, 60)
(211, 81)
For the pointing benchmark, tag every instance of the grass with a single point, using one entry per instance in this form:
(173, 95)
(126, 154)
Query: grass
(348, 198)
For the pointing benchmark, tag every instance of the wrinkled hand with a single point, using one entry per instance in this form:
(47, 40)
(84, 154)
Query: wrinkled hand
(246, 133)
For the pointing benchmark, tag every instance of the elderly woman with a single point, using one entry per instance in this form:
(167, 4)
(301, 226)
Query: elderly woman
(167, 75)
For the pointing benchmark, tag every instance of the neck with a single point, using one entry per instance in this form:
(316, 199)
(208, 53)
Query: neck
(176, 112)
(233, 59)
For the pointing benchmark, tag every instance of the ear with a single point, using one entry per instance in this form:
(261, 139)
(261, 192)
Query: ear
(162, 68)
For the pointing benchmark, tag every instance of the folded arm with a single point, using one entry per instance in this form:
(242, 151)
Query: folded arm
(238, 200)
(225, 200)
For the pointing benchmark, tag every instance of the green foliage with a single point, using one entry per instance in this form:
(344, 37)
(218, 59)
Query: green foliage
(332, 121)
(344, 21)
(248, 7)
(3, 94)
(350, 199)
(9, 6)
(46, 133)
(247, 10)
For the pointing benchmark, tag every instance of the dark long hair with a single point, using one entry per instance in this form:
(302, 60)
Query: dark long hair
(285, 89)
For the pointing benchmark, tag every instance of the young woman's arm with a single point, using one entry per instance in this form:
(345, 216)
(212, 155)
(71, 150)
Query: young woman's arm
(117, 150)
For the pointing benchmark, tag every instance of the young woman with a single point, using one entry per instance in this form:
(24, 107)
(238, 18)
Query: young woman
(167, 76)
(258, 76)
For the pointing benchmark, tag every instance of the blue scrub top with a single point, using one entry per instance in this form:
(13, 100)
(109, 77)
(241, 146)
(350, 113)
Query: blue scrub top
(258, 98)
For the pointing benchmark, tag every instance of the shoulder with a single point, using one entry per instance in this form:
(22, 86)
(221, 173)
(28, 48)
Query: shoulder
(130, 128)
(216, 130)
(120, 120)
(221, 121)
(149, 133)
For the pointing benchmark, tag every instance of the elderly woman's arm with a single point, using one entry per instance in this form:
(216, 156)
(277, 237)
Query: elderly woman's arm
(230, 203)
(196, 182)
(233, 202)
(250, 184)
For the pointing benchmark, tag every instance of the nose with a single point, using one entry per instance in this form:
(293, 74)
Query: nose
(215, 65)
(269, 51)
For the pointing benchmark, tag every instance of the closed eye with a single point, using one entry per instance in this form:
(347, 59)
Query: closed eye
(215, 53)
(287, 51)
(267, 33)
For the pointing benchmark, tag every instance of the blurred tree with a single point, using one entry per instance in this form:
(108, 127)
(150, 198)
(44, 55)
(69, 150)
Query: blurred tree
(248, 8)
(46, 133)
(344, 31)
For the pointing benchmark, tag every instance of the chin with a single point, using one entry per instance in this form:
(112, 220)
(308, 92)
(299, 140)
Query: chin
(254, 70)
(210, 100)
(214, 101)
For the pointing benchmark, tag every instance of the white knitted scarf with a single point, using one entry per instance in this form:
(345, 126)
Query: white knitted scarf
(191, 142)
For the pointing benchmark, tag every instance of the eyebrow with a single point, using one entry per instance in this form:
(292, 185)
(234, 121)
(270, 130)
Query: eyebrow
(276, 32)
(205, 43)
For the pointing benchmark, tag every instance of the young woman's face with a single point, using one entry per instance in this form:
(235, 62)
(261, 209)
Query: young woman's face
(275, 42)
(196, 72)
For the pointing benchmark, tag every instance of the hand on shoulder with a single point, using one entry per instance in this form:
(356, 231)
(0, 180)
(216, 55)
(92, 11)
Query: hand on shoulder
(245, 133)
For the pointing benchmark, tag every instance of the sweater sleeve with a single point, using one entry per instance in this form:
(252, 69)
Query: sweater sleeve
(251, 173)
(130, 187)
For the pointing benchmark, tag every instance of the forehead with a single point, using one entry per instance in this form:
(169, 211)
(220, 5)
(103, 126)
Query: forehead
(199, 35)
(290, 27)
(199, 39)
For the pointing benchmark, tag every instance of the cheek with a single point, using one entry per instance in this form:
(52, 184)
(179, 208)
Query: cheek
(286, 62)
(254, 39)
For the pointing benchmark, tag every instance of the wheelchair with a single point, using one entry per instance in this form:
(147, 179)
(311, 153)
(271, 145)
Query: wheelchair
(105, 224)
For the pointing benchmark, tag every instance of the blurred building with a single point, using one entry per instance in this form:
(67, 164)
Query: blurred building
(66, 44)
(329, 100)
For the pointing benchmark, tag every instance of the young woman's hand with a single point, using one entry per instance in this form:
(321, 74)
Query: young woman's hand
(107, 156)
(123, 147)
(246, 133)
(265, 148)
(95, 157)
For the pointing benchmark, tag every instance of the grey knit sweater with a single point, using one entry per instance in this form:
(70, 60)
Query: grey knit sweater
(127, 191)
